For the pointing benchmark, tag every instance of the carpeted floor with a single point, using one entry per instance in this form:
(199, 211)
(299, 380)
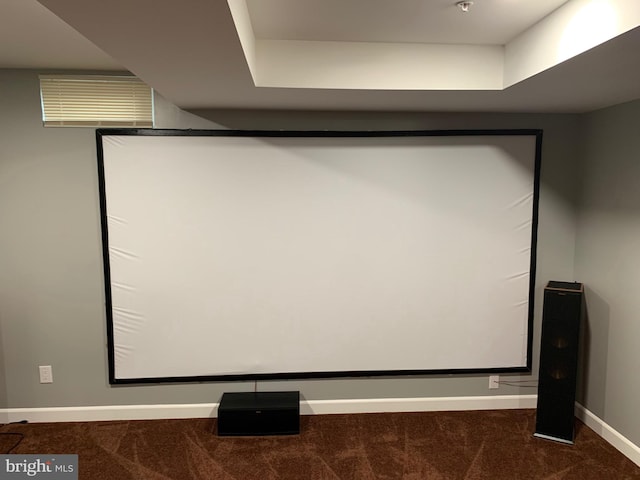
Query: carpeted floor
(434, 445)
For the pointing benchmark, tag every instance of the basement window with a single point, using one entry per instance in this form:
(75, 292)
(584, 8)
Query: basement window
(95, 101)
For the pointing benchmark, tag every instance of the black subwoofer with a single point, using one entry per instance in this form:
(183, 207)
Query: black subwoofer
(259, 413)
(561, 318)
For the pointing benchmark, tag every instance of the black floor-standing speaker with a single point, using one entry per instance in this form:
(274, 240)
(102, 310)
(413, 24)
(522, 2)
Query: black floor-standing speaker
(561, 318)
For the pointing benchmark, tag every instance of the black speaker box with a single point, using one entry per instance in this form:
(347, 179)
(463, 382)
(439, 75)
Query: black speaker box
(259, 413)
(561, 318)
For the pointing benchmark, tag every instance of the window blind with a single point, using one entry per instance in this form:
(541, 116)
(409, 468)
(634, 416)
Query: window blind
(108, 101)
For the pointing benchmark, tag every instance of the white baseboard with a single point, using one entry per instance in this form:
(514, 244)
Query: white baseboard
(307, 407)
(426, 404)
(112, 413)
(615, 438)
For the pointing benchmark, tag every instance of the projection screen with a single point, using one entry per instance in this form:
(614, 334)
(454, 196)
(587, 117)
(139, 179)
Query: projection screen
(268, 254)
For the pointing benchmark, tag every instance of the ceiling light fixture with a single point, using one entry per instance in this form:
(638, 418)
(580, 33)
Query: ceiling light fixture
(464, 6)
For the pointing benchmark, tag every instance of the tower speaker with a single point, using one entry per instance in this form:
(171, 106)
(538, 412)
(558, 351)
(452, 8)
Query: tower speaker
(561, 317)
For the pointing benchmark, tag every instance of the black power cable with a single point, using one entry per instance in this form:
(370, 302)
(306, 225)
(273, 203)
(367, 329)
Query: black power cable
(14, 434)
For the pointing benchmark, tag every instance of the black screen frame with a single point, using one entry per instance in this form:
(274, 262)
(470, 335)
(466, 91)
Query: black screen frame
(114, 380)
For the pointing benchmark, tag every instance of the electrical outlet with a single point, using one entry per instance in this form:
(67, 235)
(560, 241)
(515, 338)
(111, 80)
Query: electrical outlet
(494, 382)
(46, 374)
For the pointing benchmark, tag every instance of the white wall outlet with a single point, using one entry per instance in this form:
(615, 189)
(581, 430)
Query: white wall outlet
(46, 374)
(494, 382)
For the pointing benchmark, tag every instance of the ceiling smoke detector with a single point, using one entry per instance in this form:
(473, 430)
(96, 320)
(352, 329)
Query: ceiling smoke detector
(464, 6)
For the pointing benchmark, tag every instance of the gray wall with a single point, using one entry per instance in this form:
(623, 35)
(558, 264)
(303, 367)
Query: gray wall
(51, 278)
(3, 384)
(608, 262)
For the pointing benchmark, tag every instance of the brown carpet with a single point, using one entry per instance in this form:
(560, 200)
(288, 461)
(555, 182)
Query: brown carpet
(435, 445)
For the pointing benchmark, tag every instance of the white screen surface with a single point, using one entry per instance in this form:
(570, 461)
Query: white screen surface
(238, 255)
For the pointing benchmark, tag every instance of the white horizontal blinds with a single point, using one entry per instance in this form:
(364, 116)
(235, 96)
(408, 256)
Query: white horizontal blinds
(95, 101)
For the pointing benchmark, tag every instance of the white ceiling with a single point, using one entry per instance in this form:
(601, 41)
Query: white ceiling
(32, 37)
(417, 21)
(342, 54)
